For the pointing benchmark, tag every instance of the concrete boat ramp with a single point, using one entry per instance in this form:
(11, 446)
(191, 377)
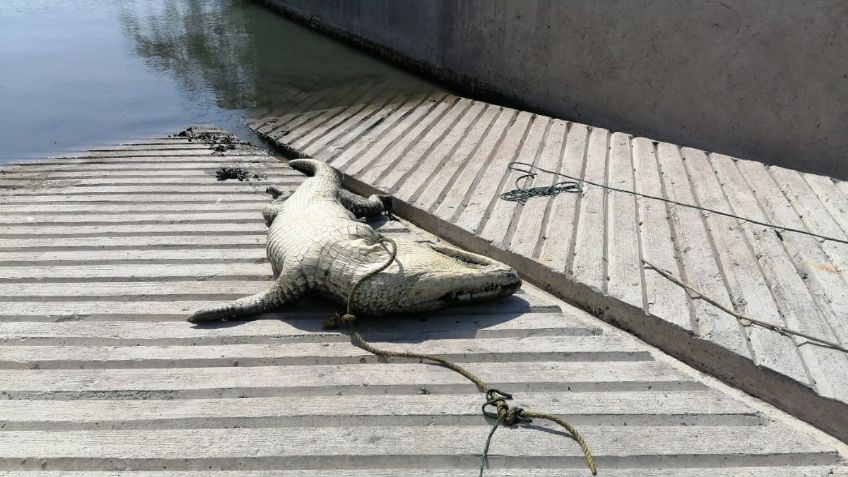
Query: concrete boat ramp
(444, 158)
(102, 256)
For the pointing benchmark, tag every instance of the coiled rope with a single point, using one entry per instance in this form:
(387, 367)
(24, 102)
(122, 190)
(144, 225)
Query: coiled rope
(575, 184)
(503, 414)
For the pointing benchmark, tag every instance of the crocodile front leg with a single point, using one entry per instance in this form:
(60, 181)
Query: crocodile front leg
(276, 192)
(270, 211)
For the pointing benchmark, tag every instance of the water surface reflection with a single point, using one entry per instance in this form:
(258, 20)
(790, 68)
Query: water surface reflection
(92, 72)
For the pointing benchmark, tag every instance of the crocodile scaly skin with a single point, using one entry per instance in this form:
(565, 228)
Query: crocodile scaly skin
(317, 246)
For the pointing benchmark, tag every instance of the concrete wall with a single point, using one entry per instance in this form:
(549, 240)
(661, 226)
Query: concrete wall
(757, 79)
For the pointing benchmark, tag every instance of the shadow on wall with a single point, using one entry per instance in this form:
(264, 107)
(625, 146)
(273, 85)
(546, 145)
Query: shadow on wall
(249, 56)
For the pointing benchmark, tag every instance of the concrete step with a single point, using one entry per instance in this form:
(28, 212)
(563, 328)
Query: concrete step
(445, 160)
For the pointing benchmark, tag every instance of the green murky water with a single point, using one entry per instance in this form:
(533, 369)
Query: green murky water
(83, 73)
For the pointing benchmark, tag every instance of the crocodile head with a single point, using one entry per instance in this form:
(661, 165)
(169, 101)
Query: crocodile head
(431, 276)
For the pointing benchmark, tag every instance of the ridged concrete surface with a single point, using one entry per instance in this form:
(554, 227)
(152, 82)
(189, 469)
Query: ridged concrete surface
(103, 377)
(445, 159)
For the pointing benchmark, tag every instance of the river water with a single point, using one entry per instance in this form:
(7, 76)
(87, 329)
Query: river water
(84, 73)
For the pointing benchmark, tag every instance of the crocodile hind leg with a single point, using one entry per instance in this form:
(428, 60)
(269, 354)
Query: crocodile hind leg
(362, 207)
(288, 289)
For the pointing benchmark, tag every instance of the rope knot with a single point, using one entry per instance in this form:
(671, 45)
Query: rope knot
(506, 415)
(336, 320)
(510, 416)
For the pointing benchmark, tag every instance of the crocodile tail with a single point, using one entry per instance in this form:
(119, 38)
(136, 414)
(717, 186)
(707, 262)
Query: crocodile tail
(251, 305)
(314, 168)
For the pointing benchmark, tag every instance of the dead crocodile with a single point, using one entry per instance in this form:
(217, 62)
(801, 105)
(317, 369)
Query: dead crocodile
(316, 246)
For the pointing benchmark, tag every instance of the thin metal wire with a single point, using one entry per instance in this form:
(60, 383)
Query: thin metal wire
(742, 318)
(530, 171)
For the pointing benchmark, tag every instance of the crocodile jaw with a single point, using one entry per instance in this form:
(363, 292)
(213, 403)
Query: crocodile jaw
(430, 277)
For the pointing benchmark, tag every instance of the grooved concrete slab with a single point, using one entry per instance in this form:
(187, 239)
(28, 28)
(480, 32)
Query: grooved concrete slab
(100, 373)
(444, 158)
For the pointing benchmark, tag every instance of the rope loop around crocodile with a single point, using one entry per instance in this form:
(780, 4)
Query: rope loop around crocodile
(503, 414)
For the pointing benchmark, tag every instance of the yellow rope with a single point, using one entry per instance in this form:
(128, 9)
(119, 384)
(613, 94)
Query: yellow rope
(504, 415)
